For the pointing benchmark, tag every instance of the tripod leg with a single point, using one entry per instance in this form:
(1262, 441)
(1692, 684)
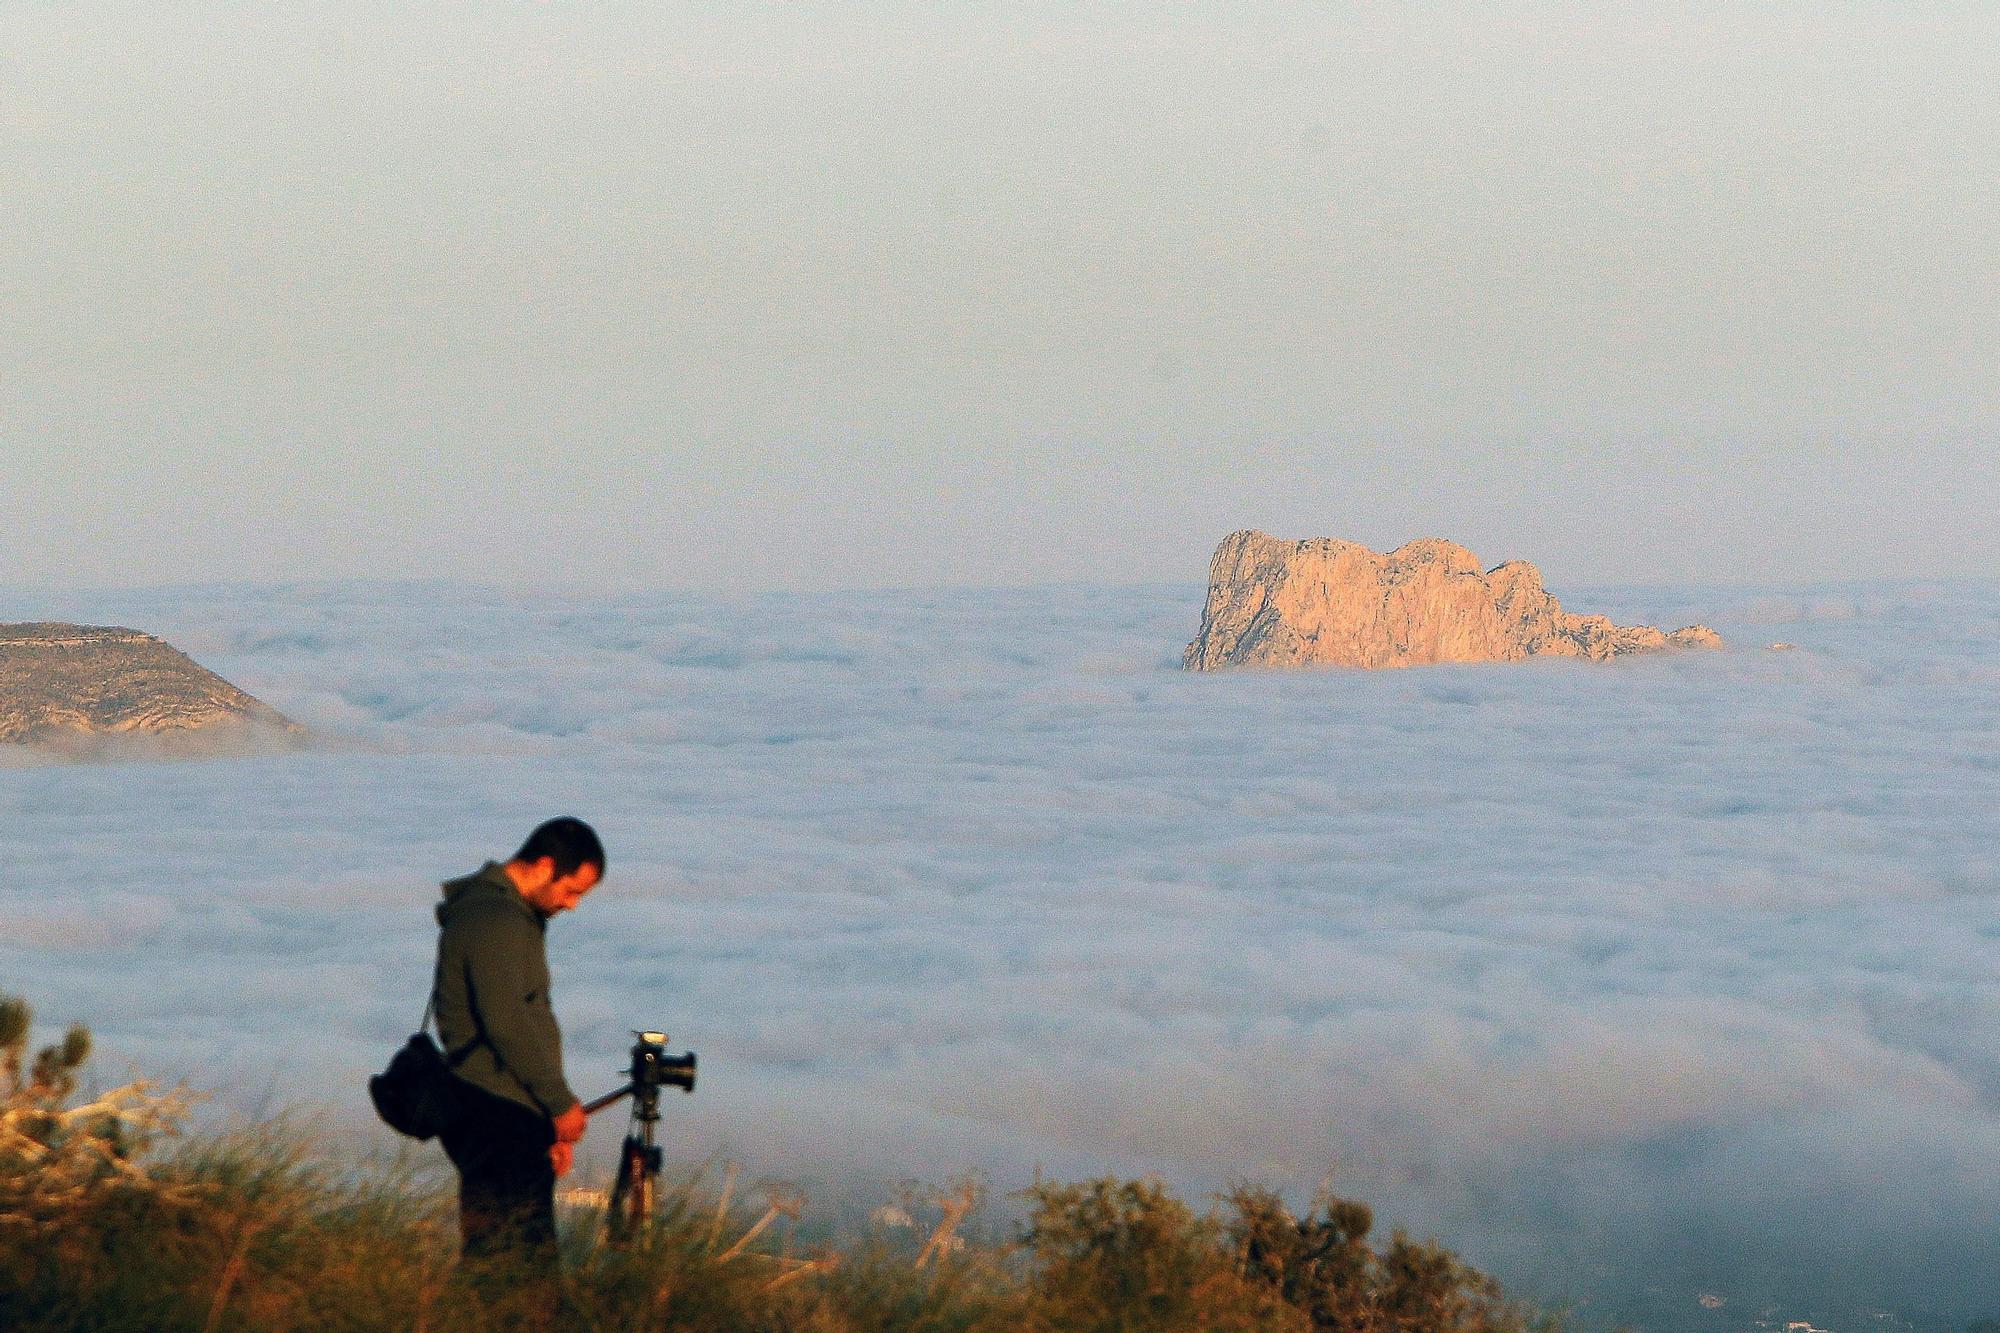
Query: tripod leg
(618, 1218)
(642, 1197)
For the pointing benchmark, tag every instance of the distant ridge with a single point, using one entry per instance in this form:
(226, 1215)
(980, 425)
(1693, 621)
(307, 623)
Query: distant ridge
(61, 682)
(1328, 602)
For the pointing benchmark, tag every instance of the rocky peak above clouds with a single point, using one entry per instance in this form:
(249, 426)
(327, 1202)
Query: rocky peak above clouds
(60, 682)
(1327, 602)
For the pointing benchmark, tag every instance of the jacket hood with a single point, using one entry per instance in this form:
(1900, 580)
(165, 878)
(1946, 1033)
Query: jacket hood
(488, 883)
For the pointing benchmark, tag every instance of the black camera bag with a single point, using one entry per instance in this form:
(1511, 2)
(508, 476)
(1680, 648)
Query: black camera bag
(417, 1094)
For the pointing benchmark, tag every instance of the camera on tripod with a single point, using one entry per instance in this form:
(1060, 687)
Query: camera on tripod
(639, 1157)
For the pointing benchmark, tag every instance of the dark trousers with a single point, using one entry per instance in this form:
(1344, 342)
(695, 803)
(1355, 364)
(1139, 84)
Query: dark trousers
(506, 1183)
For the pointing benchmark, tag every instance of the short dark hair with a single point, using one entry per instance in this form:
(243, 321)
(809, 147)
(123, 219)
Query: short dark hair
(569, 842)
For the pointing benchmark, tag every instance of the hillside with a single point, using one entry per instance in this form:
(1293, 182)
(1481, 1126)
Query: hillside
(66, 681)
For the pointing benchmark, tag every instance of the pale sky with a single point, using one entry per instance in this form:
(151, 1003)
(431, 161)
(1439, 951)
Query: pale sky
(807, 296)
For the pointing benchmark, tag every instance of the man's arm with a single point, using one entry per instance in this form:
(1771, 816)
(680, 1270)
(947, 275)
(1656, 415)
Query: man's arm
(508, 979)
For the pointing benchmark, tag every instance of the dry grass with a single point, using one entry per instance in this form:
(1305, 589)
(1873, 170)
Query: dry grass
(109, 1222)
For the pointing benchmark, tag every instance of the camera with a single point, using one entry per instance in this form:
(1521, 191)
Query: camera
(654, 1068)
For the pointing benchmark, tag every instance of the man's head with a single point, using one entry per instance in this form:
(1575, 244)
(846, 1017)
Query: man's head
(559, 863)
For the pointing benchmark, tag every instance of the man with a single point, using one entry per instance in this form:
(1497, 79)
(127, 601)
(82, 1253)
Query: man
(519, 1121)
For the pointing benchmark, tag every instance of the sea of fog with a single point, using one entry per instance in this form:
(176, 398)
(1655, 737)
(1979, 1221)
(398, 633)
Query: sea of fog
(1631, 981)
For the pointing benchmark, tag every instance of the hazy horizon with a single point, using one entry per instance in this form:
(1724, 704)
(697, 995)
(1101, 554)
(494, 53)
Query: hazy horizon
(19, 602)
(855, 296)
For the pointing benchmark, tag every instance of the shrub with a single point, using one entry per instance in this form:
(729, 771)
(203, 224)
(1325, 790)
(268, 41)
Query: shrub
(1128, 1255)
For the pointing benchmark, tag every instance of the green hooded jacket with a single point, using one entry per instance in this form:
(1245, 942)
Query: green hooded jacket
(493, 988)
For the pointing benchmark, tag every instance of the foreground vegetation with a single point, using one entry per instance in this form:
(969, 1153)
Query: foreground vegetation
(110, 1221)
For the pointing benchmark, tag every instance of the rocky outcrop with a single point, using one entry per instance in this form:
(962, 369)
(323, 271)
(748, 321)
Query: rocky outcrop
(62, 682)
(1328, 602)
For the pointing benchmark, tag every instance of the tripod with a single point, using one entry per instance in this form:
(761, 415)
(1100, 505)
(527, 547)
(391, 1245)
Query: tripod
(639, 1157)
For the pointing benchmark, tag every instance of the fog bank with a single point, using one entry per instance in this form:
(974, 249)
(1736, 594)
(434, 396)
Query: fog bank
(1671, 971)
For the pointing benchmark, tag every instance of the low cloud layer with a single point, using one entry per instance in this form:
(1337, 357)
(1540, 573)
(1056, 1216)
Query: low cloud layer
(1676, 971)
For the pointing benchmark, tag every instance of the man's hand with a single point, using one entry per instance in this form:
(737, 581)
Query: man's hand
(571, 1124)
(569, 1129)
